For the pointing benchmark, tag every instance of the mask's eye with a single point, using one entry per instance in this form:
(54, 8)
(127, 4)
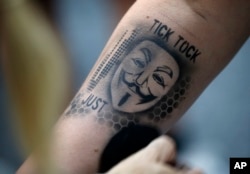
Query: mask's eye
(138, 62)
(159, 79)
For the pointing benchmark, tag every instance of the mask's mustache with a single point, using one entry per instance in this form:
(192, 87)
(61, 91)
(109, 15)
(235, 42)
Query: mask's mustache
(137, 90)
(124, 99)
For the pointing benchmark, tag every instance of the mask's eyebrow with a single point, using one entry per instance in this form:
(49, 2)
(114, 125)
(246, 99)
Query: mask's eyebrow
(147, 54)
(166, 70)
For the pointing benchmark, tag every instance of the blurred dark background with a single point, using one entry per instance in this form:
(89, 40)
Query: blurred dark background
(215, 128)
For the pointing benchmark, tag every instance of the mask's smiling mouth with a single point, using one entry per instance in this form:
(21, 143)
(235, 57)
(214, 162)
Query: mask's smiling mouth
(132, 86)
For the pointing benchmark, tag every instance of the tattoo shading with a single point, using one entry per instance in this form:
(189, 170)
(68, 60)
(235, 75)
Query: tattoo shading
(146, 73)
(141, 77)
(111, 59)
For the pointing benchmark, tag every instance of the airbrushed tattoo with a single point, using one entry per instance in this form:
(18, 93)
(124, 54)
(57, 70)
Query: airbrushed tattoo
(142, 76)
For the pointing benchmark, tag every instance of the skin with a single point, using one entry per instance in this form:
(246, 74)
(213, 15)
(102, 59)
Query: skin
(216, 28)
(152, 159)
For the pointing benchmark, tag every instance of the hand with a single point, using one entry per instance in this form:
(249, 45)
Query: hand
(154, 159)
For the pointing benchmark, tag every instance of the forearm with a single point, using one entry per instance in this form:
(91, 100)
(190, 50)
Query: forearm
(157, 62)
(130, 84)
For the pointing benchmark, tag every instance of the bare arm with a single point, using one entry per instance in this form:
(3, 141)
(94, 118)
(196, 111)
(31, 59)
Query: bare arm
(159, 59)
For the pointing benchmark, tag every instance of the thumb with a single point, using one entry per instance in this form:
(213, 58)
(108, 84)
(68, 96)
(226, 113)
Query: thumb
(162, 149)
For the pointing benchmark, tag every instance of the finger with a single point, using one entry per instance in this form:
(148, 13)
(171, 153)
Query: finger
(145, 168)
(158, 168)
(161, 149)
